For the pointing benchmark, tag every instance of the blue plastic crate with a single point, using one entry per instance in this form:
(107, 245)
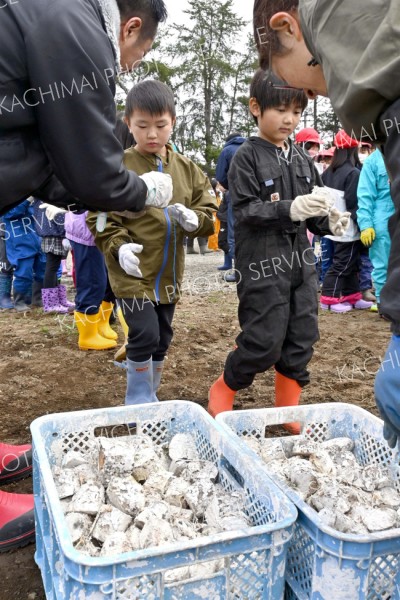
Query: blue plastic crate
(254, 557)
(322, 563)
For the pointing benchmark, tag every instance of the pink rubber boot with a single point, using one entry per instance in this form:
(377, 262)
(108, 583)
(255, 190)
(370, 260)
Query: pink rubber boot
(357, 301)
(336, 305)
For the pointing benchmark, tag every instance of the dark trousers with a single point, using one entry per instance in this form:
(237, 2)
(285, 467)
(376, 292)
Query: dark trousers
(390, 295)
(90, 278)
(150, 328)
(342, 276)
(53, 262)
(278, 315)
(327, 249)
(366, 269)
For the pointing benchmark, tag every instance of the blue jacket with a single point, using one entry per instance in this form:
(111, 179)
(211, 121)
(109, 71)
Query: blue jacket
(375, 204)
(43, 226)
(225, 158)
(21, 239)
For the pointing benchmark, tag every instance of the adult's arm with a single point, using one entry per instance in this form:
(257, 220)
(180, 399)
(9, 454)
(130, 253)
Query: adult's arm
(71, 70)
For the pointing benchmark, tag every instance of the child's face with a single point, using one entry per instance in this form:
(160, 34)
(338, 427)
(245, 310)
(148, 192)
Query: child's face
(276, 124)
(151, 132)
(292, 67)
(133, 46)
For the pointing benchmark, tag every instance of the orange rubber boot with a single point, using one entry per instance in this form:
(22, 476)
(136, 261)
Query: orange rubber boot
(220, 397)
(287, 393)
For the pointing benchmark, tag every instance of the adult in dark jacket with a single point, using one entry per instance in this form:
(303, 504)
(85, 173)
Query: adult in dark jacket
(58, 65)
(349, 51)
(233, 143)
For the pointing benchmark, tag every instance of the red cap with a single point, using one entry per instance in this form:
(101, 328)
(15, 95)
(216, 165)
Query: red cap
(308, 135)
(329, 152)
(342, 140)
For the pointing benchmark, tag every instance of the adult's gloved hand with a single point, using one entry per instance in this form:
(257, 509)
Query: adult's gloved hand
(316, 204)
(339, 222)
(66, 244)
(128, 260)
(367, 236)
(51, 211)
(160, 189)
(185, 217)
(387, 392)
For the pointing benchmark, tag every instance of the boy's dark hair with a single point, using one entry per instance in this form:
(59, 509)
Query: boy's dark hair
(267, 39)
(342, 155)
(152, 12)
(150, 96)
(232, 136)
(268, 96)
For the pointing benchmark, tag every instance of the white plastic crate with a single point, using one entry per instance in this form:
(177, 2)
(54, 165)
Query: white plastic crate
(322, 563)
(254, 558)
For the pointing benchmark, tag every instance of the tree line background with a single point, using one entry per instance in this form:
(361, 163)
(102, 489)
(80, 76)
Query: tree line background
(209, 64)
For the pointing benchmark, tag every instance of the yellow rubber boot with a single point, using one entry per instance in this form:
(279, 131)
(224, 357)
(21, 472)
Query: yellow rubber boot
(287, 393)
(89, 337)
(120, 354)
(220, 397)
(104, 328)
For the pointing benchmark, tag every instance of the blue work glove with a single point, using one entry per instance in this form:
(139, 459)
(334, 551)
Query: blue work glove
(387, 392)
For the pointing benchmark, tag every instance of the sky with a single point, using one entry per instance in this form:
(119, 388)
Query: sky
(243, 9)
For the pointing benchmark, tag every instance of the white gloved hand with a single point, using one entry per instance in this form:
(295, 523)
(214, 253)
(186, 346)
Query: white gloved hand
(66, 244)
(160, 189)
(185, 217)
(128, 260)
(339, 222)
(51, 211)
(316, 204)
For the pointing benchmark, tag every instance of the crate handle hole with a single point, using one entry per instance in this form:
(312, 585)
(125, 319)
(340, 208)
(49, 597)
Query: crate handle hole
(55, 434)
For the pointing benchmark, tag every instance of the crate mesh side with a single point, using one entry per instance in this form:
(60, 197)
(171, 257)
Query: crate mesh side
(80, 441)
(300, 560)
(205, 449)
(369, 450)
(316, 431)
(381, 584)
(146, 587)
(248, 573)
(289, 593)
(159, 431)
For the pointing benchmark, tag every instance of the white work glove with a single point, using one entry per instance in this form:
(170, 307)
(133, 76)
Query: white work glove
(339, 222)
(185, 217)
(128, 260)
(66, 244)
(51, 211)
(316, 204)
(159, 187)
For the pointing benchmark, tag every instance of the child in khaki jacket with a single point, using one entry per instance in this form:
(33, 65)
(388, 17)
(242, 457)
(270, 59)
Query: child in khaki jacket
(144, 251)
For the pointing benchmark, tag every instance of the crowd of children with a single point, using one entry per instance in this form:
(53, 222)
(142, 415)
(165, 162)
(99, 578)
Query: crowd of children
(279, 195)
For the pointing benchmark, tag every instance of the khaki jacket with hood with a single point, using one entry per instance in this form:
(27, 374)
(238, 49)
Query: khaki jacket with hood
(357, 44)
(162, 260)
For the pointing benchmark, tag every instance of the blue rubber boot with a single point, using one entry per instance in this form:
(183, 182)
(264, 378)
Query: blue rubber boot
(139, 389)
(158, 367)
(387, 392)
(5, 292)
(227, 266)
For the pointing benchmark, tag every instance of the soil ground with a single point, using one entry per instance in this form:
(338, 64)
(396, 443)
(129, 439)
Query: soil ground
(42, 371)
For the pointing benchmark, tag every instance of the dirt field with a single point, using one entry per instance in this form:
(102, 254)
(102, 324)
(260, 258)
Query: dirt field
(42, 371)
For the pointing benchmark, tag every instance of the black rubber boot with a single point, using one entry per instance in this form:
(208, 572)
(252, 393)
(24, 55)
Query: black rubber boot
(20, 304)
